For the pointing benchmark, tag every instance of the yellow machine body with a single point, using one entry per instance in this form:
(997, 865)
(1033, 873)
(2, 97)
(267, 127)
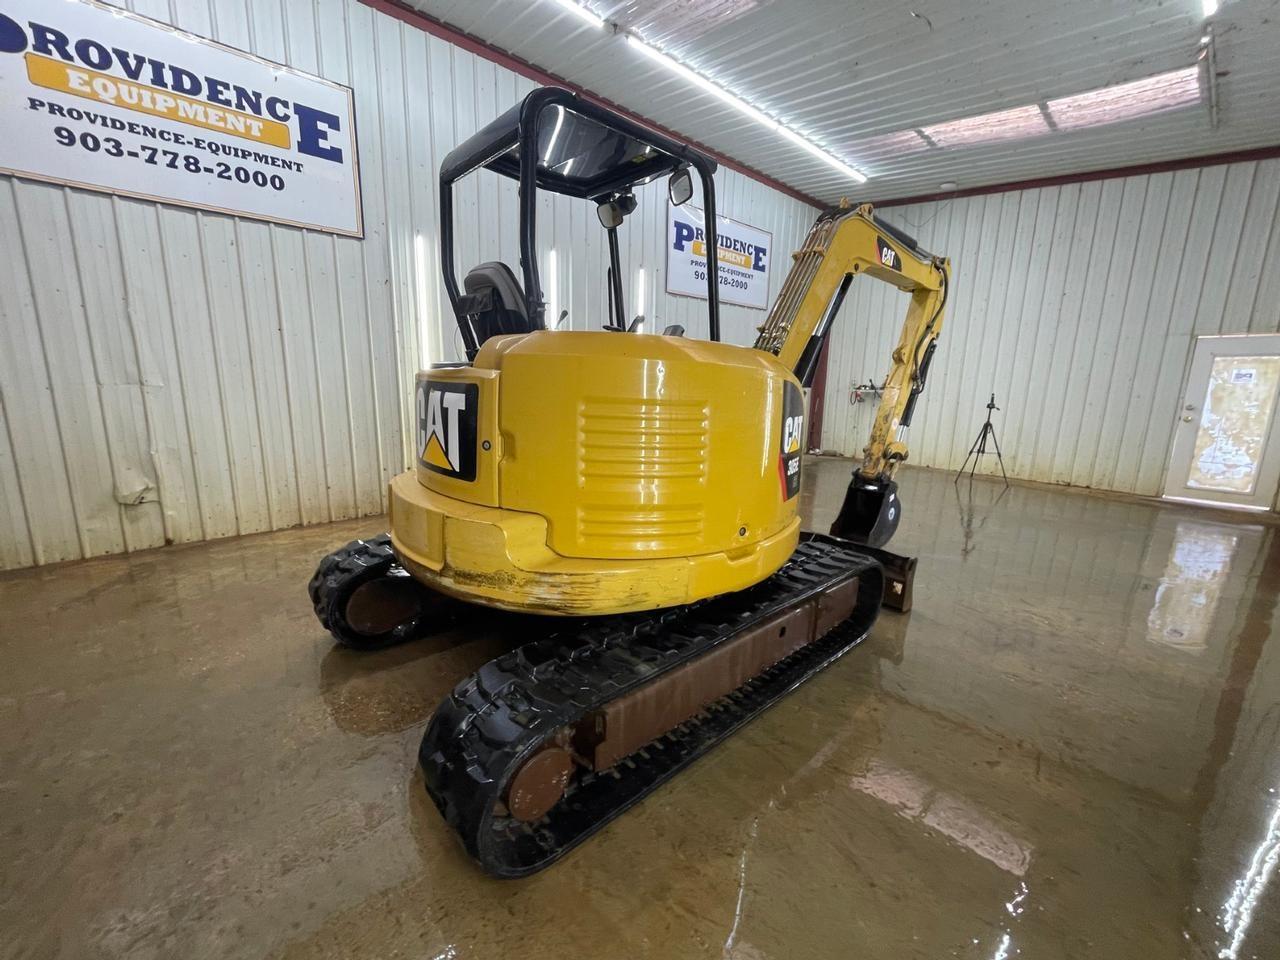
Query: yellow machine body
(584, 473)
(592, 472)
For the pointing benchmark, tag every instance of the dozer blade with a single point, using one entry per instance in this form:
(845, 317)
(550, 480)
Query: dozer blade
(870, 512)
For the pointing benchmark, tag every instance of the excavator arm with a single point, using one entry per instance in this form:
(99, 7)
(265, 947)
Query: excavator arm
(843, 244)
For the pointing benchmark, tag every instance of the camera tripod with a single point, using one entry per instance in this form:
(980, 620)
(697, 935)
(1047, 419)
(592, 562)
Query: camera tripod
(979, 447)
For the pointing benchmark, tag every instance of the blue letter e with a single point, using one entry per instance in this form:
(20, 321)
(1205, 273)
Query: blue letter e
(313, 133)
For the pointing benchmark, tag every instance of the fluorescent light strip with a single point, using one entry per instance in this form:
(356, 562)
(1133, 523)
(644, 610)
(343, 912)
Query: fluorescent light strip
(582, 11)
(555, 135)
(698, 80)
(422, 270)
(800, 140)
(553, 290)
(703, 83)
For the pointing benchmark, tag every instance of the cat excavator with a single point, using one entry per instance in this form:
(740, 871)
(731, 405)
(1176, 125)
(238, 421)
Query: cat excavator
(636, 492)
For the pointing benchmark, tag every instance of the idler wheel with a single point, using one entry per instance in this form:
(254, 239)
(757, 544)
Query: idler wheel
(367, 600)
(379, 606)
(539, 784)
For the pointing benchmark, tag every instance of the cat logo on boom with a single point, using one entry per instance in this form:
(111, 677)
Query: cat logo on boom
(888, 256)
(447, 427)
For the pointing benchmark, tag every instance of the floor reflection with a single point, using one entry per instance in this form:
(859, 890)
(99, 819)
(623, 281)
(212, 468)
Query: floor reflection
(952, 816)
(1068, 749)
(1246, 893)
(1199, 562)
(972, 495)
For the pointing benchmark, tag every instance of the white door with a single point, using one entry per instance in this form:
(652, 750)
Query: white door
(1226, 450)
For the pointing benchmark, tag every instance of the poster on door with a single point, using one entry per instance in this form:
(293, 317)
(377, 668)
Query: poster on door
(95, 97)
(743, 260)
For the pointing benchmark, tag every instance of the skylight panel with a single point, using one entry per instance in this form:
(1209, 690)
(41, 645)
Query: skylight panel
(1017, 123)
(1127, 101)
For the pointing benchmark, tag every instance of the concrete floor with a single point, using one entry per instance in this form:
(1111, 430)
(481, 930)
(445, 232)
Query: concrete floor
(1069, 749)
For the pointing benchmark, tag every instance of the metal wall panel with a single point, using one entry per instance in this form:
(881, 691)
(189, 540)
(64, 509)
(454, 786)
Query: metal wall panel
(169, 375)
(1078, 306)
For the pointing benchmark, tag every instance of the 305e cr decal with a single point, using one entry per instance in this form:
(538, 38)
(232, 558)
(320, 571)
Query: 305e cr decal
(792, 439)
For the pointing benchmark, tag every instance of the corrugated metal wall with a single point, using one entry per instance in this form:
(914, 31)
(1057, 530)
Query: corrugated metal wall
(169, 375)
(1077, 305)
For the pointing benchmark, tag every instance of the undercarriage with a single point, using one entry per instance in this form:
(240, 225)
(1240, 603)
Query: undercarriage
(544, 745)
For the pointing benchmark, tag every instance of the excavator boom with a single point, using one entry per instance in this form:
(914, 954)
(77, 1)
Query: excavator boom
(841, 245)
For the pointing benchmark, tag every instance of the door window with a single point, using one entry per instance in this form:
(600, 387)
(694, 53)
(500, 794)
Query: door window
(1233, 424)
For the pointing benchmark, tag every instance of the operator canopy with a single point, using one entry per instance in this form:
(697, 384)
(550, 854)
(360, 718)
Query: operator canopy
(557, 141)
(581, 150)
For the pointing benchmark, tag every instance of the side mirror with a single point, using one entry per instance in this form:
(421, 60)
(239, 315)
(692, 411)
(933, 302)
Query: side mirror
(613, 212)
(680, 187)
(610, 215)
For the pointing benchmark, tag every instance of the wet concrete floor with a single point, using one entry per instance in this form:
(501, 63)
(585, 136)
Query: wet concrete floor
(1068, 749)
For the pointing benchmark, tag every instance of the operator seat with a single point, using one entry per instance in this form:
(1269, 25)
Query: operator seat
(494, 301)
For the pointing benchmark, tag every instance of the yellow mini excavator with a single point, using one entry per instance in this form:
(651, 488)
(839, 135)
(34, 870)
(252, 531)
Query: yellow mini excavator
(640, 490)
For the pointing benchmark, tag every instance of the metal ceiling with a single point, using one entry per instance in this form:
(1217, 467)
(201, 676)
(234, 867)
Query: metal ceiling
(851, 74)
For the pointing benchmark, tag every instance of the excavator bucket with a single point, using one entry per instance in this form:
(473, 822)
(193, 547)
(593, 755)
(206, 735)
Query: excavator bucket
(870, 513)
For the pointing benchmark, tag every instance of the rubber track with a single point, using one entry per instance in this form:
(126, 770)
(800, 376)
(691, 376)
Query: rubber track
(337, 577)
(495, 719)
